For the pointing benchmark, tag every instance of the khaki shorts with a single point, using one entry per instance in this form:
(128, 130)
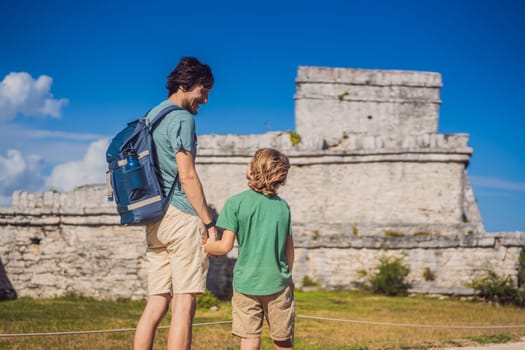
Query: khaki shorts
(175, 258)
(249, 312)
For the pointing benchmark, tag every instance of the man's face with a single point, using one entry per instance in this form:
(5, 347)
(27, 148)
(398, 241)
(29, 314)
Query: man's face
(193, 99)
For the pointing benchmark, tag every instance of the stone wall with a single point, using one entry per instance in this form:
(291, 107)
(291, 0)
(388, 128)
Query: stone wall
(438, 265)
(375, 190)
(52, 243)
(332, 103)
(371, 177)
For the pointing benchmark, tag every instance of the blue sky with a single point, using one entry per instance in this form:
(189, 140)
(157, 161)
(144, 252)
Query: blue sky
(72, 73)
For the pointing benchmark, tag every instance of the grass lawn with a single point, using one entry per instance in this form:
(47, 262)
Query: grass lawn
(75, 313)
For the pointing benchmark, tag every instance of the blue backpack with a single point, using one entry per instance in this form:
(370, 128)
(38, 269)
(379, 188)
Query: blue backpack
(133, 178)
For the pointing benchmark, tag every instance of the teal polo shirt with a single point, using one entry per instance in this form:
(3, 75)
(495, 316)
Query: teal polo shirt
(175, 132)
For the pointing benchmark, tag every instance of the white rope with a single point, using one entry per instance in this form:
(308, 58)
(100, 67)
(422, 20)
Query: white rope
(98, 331)
(390, 324)
(408, 324)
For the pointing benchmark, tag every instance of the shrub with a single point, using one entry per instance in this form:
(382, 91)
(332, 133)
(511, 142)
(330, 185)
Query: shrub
(390, 278)
(207, 300)
(309, 282)
(499, 289)
(428, 274)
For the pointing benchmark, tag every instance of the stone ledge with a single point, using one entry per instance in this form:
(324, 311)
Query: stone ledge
(461, 156)
(369, 77)
(51, 219)
(221, 146)
(409, 242)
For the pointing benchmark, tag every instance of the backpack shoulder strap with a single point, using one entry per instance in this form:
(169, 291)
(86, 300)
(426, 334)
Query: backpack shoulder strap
(164, 112)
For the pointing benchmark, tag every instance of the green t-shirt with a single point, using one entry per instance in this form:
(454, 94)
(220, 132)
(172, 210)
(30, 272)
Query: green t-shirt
(175, 132)
(261, 225)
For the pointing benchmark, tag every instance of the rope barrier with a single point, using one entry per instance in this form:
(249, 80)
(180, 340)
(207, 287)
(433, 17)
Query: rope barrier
(408, 324)
(375, 323)
(98, 331)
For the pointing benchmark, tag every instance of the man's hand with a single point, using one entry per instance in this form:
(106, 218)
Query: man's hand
(212, 234)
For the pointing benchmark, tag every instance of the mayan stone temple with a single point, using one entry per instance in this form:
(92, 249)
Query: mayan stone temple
(371, 177)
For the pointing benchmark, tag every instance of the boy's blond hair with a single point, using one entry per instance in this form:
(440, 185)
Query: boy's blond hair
(267, 171)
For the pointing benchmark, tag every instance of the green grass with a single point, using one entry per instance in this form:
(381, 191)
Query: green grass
(491, 339)
(74, 313)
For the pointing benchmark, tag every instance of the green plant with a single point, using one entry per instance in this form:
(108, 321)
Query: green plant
(355, 231)
(390, 278)
(428, 274)
(307, 281)
(315, 234)
(295, 138)
(362, 273)
(75, 296)
(499, 289)
(207, 300)
(342, 95)
(491, 339)
(422, 234)
(392, 233)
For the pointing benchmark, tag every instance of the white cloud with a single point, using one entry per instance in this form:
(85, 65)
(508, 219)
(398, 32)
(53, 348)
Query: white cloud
(50, 134)
(19, 172)
(55, 147)
(495, 183)
(90, 170)
(27, 173)
(20, 93)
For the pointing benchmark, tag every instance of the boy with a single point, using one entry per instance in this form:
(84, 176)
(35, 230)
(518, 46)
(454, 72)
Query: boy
(262, 277)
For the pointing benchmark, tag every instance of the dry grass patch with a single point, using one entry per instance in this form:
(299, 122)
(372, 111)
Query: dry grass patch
(88, 314)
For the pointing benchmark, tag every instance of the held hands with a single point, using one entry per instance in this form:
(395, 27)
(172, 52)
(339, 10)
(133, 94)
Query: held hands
(211, 237)
(217, 247)
(212, 234)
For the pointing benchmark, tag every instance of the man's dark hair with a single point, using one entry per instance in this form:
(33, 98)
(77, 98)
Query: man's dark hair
(189, 73)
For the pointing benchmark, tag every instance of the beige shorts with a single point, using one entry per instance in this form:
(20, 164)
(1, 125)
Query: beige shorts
(175, 258)
(249, 312)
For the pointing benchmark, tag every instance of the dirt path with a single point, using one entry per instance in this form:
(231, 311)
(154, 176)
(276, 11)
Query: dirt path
(508, 346)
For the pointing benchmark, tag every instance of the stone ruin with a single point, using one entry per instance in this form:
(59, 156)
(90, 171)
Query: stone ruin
(371, 177)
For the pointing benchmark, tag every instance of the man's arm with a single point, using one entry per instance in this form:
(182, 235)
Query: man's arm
(192, 187)
(221, 247)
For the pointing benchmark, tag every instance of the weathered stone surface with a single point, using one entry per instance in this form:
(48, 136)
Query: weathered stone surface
(330, 103)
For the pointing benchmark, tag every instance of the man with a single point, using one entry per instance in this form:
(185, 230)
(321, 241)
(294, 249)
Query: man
(176, 262)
